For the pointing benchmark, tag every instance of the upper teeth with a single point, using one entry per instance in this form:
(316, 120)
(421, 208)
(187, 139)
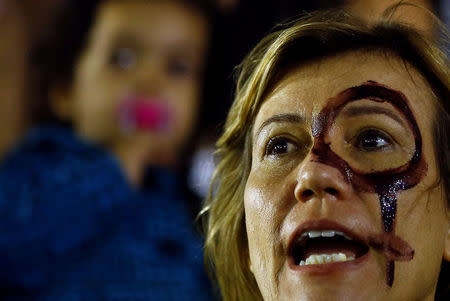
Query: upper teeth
(324, 233)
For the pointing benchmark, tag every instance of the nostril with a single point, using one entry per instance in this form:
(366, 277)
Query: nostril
(307, 193)
(331, 191)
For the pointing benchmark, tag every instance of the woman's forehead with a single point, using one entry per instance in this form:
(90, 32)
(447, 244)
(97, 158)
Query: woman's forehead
(306, 89)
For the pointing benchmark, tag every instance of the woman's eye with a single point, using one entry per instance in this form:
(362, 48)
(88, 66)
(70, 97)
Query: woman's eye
(279, 146)
(372, 140)
(123, 58)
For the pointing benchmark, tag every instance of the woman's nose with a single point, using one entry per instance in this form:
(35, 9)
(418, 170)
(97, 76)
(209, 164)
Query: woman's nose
(318, 180)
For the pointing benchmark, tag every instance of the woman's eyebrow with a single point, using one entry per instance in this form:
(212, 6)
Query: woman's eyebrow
(291, 118)
(367, 110)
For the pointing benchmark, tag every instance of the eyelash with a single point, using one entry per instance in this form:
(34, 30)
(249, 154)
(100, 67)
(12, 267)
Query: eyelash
(275, 142)
(378, 135)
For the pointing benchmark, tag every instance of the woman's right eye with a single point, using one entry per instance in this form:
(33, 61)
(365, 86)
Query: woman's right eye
(372, 140)
(279, 146)
(123, 58)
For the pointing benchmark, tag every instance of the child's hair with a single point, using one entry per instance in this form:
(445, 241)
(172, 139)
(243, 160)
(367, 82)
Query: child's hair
(56, 56)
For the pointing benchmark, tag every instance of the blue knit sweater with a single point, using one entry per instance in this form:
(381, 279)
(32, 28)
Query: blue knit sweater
(71, 228)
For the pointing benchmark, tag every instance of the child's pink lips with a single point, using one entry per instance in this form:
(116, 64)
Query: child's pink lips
(144, 113)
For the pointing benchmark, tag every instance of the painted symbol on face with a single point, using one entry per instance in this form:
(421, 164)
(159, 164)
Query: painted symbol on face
(385, 183)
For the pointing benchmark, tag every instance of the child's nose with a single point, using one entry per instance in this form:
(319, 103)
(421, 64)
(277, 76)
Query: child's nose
(149, 78)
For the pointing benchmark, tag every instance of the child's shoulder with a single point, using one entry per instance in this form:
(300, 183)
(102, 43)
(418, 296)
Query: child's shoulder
(49, 145)
(56, 193)
(53, 166)
(56, 151)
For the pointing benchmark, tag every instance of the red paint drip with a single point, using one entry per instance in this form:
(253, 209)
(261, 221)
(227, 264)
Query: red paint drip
(387, 183)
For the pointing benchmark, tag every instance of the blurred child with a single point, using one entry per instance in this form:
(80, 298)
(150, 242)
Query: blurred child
(91, 206)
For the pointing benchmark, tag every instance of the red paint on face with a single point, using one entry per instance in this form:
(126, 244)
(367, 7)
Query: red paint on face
(386, 183)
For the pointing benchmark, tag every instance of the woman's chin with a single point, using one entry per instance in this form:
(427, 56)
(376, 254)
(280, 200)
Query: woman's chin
(360, 279)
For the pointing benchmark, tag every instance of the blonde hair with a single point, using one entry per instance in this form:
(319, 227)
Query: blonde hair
(314, 35)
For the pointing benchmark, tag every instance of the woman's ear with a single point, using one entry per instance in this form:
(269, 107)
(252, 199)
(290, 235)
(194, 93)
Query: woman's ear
(61, 102)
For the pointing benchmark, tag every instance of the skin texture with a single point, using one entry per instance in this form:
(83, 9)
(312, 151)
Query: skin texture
(166, 42)
(282, 170)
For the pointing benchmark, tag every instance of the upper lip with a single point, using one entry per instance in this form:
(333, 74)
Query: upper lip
(321, 225)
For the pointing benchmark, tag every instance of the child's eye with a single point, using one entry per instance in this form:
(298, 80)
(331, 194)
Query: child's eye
(371, 140)
(179, 67)
(279, 146)
(123, 58)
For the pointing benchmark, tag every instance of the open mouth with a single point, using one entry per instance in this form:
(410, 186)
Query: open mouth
(325, 246)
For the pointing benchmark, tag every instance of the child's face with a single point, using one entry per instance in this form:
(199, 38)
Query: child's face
(140, 73)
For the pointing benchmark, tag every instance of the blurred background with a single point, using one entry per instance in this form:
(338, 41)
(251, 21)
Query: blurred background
(235, 28)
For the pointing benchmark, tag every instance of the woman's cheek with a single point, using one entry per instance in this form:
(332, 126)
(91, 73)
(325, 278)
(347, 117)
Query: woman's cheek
(422, 221)
(266, 205)
(268, 197)
(262, 223)
(259, 205)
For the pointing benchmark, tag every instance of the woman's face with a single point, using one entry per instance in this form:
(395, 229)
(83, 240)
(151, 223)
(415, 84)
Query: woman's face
(342, 201)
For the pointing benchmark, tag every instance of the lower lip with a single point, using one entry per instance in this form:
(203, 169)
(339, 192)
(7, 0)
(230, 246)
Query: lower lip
(329, 268)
